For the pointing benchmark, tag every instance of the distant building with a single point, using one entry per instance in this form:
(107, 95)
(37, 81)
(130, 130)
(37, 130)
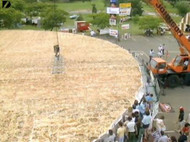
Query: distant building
(185, 23)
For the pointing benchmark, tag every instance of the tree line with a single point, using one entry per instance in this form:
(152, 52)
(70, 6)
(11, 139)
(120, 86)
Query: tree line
(50, 15)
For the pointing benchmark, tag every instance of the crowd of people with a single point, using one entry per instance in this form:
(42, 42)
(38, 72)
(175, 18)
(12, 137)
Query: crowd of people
(161, 52)
(139, 126)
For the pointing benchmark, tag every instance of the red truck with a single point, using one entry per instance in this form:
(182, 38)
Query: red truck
(82, 26)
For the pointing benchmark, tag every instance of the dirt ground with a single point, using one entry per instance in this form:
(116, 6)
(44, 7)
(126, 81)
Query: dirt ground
(98, 82)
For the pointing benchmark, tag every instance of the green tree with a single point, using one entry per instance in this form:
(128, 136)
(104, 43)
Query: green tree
(94, 9)
(183, 8)
(101, 20)
(30, 1)
(173, 2)
(35, 9)
(10, 17)
(80, 18)
(136, 6)
(51, 18)
(135, 19)
(18, 4)
(149, 22)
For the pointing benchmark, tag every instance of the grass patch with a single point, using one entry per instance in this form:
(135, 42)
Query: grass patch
(168, 6)
(30, 27)
(147, 7)
(79, 5)
(177, 19)
(134, 28)
(70, 22)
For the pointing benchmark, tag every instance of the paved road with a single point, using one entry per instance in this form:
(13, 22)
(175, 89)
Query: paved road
(144, 44)
(175, 97)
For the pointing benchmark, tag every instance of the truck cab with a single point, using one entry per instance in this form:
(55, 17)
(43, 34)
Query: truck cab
(158, 66)
(180, 64)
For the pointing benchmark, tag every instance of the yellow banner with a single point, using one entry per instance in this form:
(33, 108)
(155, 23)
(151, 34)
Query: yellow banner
(125, 5)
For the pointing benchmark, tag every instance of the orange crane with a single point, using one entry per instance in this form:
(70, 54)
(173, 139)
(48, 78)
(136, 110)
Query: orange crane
(178, 70)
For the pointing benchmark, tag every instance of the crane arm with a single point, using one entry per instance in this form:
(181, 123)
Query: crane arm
(178, 34)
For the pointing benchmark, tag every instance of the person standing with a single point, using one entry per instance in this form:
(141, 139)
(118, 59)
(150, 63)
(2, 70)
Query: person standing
(151, 54)
(183, 137)
(111, 136)
(148, 86)
(146, 122)
(173, 139)
(155, 134)
(160, 124)
(121, 132)
(181, 118)
(163, 49)
(131, 127)
(160, 54)
(185, 129)
(163, 137)
(159, 48)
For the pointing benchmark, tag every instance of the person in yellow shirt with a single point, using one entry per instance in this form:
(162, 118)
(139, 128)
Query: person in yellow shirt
(121, 132)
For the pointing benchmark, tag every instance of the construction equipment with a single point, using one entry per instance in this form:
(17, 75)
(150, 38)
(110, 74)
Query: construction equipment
(178, 70)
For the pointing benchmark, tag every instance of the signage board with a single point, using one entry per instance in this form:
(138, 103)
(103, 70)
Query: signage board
(125, 5)
(104, 31)
(112, 21)
(125, 27)
(113, 1)
(112, 10)
(124, 11)
(113, 32)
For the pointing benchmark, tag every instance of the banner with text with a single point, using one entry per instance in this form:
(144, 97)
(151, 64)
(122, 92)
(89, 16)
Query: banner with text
(112, 21)
(125, 5)
(104, 31)
(113, 33)
(124, 11)
(112, 10)
(125, 27)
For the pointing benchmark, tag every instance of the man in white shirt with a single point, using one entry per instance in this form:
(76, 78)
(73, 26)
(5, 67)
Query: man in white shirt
(160, 124)
(131, 127)
(111, 137)
(92, 33)
(186, 62)
(160, 54)
(160, 48)
(151, 54)
(163, 49)
(163, 138)
(146, 122)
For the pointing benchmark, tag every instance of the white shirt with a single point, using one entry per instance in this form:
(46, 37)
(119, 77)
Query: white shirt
(163, 138)
(135, 110)
(111, 138)
(131, 126)
(160, 125)
(186, 63)
(160, 48)
(160, 54)
(151, 53)
(92, 33)
(156, 135)
(133, 119)
(146, 119)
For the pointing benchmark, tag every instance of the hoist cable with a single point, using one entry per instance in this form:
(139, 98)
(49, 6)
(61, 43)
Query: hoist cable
(55, 24)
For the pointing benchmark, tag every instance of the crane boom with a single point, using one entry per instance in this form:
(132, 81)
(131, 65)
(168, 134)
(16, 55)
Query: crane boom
(178, 34)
